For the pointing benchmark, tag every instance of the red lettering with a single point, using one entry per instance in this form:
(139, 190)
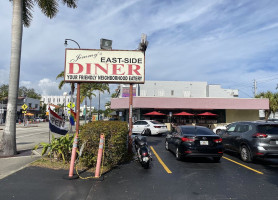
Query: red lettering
(101, 68)
(117, 69)
(88, 71)
(80, 68)
(130, 70)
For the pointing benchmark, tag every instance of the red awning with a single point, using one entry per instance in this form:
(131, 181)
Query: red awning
(154, 113)
(183, 114)
(207, 114)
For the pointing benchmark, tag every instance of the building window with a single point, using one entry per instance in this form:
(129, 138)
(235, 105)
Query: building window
(172, 92)
(186, 94)
(161, 93)
(30, 105)
(36, 105)
(53, 100)
(143, 93)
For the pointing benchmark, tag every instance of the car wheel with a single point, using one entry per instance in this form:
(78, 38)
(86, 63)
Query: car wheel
(216, 159)
(166, 145)
(178, 155)
(148, 132)
(245, 154)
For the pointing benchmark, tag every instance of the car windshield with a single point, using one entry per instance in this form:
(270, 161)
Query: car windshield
(268, 129)
(155, 122)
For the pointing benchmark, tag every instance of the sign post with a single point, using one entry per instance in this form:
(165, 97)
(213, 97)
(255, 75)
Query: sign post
(103, 66)
(24, 107)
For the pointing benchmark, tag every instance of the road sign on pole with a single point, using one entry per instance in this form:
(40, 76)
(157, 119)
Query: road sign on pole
(24, 106)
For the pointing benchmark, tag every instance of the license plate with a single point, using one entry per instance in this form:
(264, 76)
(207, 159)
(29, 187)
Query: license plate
(204, 143)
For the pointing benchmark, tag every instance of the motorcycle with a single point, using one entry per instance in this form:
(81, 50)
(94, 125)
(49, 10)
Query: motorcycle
(142, 151)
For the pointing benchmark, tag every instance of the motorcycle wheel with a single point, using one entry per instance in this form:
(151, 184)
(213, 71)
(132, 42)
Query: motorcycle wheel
(146, 165)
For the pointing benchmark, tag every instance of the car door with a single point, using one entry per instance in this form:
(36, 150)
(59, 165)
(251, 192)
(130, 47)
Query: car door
(135, 127)
(238, 136)
(176, 138)
(227, 136)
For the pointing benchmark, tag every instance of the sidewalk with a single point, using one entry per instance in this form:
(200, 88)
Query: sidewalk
(13, 164)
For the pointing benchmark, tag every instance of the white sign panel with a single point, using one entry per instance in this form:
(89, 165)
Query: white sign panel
(110, 66)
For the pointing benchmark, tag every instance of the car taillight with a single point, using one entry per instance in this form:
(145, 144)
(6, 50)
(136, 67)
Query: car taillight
(219, 140)
(186, 139)
(259, 135)
(157, 126)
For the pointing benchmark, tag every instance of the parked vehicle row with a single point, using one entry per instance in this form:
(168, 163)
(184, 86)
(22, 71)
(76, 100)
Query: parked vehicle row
(250, 139)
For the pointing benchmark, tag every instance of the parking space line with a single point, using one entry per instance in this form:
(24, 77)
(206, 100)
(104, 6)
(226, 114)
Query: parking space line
(243, 165)
(161, 162)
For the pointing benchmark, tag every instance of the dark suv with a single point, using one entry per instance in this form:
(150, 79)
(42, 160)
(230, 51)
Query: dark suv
(252, 139)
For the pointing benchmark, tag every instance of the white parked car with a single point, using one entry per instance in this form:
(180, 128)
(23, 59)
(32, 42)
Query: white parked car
(37, 119)
(218, 129)
(149, 127)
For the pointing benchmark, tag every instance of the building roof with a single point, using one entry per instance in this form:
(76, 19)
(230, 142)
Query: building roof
(191, 103)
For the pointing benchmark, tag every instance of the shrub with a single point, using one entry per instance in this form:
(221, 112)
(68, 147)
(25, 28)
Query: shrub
(59, 148)
(115, 148)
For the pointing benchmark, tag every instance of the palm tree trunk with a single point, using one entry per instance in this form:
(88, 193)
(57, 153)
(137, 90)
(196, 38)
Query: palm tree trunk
(8, 138)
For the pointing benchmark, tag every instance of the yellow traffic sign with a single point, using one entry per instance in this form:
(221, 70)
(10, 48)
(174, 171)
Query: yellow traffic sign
(71, 105)
(24, 106)
(24, 111)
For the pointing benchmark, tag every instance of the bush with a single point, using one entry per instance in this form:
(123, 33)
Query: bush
(115, 148)
(59, 148)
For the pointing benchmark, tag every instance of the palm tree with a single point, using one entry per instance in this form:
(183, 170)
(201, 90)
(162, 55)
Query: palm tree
(87, 91)
(22, 15)
(273, 102)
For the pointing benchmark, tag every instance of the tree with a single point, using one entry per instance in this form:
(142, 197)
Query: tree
(23, 91)
(273, 102)
(87, 91)
(22, 15)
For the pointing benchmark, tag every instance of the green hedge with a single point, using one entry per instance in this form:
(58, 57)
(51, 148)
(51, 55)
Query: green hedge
(115, 148)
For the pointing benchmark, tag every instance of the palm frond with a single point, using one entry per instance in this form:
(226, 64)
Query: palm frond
(70, 3)
(61, 75)
(48, 7)
(27, 10)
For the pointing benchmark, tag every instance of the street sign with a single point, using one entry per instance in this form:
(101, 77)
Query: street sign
(24, 111)
(24, 106)
(71, 105)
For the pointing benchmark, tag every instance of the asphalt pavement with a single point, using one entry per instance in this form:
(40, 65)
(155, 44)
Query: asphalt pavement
(189, 179)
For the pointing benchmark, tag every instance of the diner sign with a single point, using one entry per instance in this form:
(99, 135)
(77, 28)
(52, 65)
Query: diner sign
(109, 66)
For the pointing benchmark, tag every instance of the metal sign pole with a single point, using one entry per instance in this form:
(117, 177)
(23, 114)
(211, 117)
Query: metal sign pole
(130, 118)
(74, 147)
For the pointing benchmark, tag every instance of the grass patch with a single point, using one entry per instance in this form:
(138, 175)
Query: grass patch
(46, 162)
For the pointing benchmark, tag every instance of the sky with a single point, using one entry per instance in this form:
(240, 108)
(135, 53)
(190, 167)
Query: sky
(225, 42)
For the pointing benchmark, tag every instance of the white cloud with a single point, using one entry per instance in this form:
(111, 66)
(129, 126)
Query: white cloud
(218, 41)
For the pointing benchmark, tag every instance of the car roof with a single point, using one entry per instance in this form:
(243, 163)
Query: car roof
(190, 126)
(258, 122)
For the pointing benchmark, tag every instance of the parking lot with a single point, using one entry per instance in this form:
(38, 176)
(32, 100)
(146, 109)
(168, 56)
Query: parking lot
(167, 178)
(195, 178)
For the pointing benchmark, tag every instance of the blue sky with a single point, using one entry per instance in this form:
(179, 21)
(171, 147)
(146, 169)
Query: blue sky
(226, 42)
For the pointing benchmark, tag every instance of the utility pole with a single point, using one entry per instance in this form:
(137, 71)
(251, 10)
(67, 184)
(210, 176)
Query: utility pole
(255, 87)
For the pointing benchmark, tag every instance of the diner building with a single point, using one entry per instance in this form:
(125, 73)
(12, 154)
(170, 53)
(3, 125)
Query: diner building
(185, 102)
